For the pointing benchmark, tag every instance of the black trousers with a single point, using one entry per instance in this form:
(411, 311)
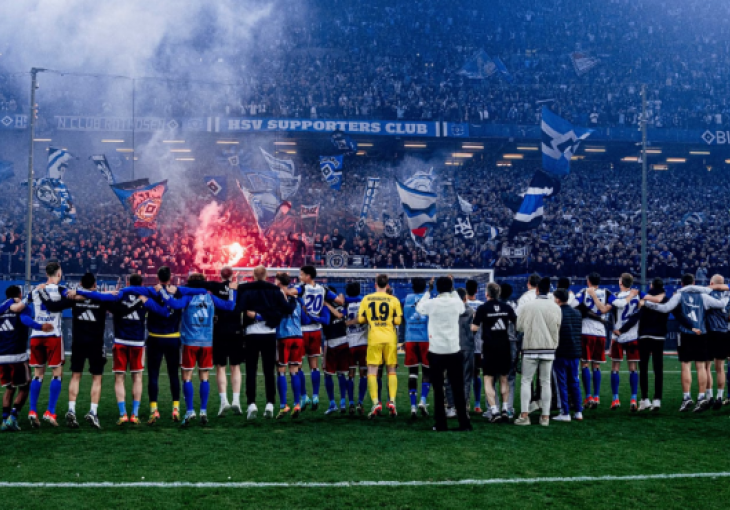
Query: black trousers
(453, 365)
(654, 349)
(265, 345)
(157, 350)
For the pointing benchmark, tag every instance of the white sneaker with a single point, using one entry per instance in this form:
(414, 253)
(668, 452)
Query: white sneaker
(645, 405)
(561, 417)
(534, 406)
(269, 410)
(252, 412)
(225, 407)
(451, 412)
(578, 416)
(236, 408)
(656, 405)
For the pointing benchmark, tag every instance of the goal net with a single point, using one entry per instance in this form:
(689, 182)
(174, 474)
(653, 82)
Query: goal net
(399, 279)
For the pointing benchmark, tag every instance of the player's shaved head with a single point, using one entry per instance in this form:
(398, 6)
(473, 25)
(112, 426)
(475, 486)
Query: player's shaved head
(259, 273)
(717, 279)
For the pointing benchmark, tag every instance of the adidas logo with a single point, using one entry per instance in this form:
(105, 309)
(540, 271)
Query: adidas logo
(499, 326)
(201, 315)
(87, 316)
(7, 326)
(132, 316)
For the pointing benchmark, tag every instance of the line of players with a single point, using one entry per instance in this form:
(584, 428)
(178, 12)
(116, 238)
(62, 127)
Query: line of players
(185, 315)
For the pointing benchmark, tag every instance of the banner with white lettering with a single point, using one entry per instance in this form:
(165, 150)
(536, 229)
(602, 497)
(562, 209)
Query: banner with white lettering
(358, 127)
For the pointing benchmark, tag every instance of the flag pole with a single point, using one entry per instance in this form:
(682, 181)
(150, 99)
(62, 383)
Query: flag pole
(644, 250)
(29, 220)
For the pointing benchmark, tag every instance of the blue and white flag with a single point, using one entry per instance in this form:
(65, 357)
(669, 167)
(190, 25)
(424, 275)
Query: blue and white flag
(421, 180)
(263, 204)
(419, 208)
(278, 165)
(331, 167)
(693, 218)
(344, 142)
(531, 212)
(463, 227)
(102, 165)
(367, 200)
(6, 170)
(465, 206)
(285, 171)
(218, 186)
(583, 62)
(144, 201)
(391, 226)
(502, 69)
(54, 195)
(560, 140)
(233, 156)
(58, 162)
(479, 66)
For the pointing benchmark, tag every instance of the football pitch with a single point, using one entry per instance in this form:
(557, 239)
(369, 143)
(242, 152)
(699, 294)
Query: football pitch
(611, 459)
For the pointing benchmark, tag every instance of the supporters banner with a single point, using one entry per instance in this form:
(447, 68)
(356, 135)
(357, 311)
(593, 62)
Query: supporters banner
(11, 121)
(560, 140)
(370, 191)
(353, 127)
(143, 124)
(218, 186)
(514, 253)
(309, 211)
(6, 170)
(54, 195)
(101, 164)
(57, 162)
(583, 62)
(463, 228)
(419, 208)
(331, 167)
(143, 201)
(344, 142)
(531, 212)
(285, 170)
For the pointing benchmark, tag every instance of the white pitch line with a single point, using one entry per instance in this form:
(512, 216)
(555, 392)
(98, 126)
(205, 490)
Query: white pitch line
(415, 483)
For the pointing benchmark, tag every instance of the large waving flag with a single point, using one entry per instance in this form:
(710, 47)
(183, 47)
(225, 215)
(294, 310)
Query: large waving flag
(54, 195)
(560, 140)
(218, 186)
(285, 170)
(344, 142)
(479, 66)
(531, 212)
(465, 206)
(58, 162)
(262, 193)
(421, 180)
(143, 201)
(102, 165)
(419, 208)
(367, 201)
(331, 167)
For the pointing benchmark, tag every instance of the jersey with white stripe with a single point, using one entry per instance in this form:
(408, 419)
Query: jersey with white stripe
(624, 311)
(357, 334)
(313, 296)
(590, 326)
(42, 315)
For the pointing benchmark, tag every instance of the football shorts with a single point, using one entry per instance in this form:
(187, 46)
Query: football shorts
(290, 351)
(416, 354)
(47, 351)
(358, 356)
(594, 348)
(192, 354)
(382, 353)
(312, 343)
(15, 374)
(631, 349)
(228, 349)
(94, 352)
(337, 360)
(127, 357)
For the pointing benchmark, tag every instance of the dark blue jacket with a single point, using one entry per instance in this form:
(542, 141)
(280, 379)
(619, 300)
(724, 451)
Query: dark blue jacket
(569, 343)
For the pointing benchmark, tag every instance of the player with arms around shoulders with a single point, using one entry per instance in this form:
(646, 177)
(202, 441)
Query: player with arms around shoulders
(357, 341)
(417, 347)
(15, 319)
(337, 354)
(196, 334)
(382, 312)
(313, 295)
(290, 350)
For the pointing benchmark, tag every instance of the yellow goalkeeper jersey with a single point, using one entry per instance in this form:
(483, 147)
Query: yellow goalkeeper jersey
(382, 313)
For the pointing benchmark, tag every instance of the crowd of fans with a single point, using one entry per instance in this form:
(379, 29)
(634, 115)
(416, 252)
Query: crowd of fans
(594, 222)
(400, 59)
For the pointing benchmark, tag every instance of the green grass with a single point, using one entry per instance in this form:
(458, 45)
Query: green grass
(338, 448)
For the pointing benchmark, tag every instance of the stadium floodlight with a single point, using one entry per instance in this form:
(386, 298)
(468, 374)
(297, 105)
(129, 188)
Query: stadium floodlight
(173, 141)
(473, 146)
(462, 155)
(125, 150)
(700, 153)
(513, 156)
(366, 144)
(285, 143)
(361, 153)
(630, 159)
(527, 148)
(181, 150)
(184, 159)
(42, 139)
(653, 151)
(413, 145)
(595, 149)
(111, 140)
(676, 160)
(659, 167)
(226, 142)
(727, 161)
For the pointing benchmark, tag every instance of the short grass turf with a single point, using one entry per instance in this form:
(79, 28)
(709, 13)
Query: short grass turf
(318, 448)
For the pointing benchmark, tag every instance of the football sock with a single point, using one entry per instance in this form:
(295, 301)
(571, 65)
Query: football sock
(204, 393)
(362, 389)
(72, 406)
(495, 410)
(634, 382)
(6, 413)
(135, 407)
(392, 386)
(686, 396)
(122, 408)
(701, 396)
(55, 392)
(373, 388)
(94, 408)
(596, 382)
(586, 376)
(614, 384)
(15, 410)
(380, 387)
(236, 398)
(412, 385)
(302, 383)
(720, 393)
(176, 404)
(281, 383)
(188, 394)
(35, 392)
(296, 387)
(315, 382)
(153, 407)
(224, 399)
(351, 389)
(342, 381)
(477, 392)
(505, 406)
(425, 388)
(329, 384)
(709, 393)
